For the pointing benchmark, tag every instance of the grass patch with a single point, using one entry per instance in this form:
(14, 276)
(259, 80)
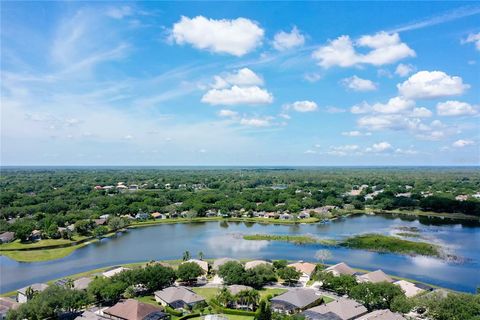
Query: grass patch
(148, 299)
(287, 238)
(327, 299)
(40, 255)
(271, 292)
(15, 245)
(408, 235)
(207, 293)
(383, 243)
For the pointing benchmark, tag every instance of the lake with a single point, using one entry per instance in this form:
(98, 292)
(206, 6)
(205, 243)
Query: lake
(222, 239)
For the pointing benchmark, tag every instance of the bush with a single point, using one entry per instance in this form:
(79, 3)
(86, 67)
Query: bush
(188, 316)
(173, 312)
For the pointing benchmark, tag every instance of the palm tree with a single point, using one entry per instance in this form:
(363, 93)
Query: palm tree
(224, 297)
(69, 283)
(29, 293)
(200, 255)
(186, 255)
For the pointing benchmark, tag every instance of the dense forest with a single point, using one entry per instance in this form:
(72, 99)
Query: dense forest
(46, 199)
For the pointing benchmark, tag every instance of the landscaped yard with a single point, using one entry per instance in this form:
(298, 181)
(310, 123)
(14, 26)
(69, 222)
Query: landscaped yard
(209, 293)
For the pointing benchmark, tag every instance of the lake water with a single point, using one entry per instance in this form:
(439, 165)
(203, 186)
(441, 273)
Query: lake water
(221, 239)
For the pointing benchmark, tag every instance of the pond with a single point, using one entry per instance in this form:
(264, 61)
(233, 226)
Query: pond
(222, 239)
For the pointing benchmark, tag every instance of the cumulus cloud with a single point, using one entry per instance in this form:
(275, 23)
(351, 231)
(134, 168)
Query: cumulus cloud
(431, 84)
(226, 113)
(355, 133)
(406, 151)
(380, 147)
(455, 108)
(473, 38)
(256, 122)
(404, 70)
(288, 40)
(384, 49)
(462, 143)
(242, 77)
(358, 84)
(236, 37)
(312, 77)
(237, 96)
(394, 105)
(421, 112)
(302, 106)
(343, 150)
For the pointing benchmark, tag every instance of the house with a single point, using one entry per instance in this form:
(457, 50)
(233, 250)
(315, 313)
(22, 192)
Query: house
(132, 309)
(340, 269)
(382, 315)
(7, 304)
(409, 288)
(405, 195)
(296, 300)
(158, 215)
(255, 263)
(98, 188)
(89, 315)
(82, 283)
(285, 216)
(121, 187)
(306, 270)
(178, 297)
(211, 213)
(304, 214)
(100, 222)
(110, 273)
(22, 294)
(6, 237)
(142, 216)
(217, 263)
(341, 309)
(36, 235)
(374, 277)
(461, 197)
(133, 187)
(104, 216)
(236, 288)
(202, 264)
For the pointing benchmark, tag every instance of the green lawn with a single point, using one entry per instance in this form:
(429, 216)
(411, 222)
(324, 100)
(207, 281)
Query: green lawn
(209, 293)
(148, 299)
(327, 299)
(38, 244)
(40, 255)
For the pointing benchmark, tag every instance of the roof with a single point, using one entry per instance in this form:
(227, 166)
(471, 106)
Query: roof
(172, 294)
(317, 316)
(219, 262)
(110, 273)
(345, 309)
(156, 214)
(201, 263)
(341, 268)
(381, 315)
(7, 236)
(39, 287)
(409, 288)
(82, 283)
(300, 298)
(7, 304)
(375, 277)
(131, 310)
(303, 267)
(255, 263)
(89, 315)
(236, 288)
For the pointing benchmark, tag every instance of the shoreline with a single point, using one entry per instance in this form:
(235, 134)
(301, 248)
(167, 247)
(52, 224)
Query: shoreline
(174, 263)
(39, 253)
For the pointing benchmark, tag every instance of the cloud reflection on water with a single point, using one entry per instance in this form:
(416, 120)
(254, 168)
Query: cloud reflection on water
(234, 243)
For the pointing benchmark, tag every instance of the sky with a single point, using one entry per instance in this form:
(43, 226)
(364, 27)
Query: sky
(240, 83)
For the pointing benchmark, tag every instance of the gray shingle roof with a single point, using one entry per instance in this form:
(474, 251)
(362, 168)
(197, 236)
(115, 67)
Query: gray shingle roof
(172, 294)
(300, 298)
(345, 309)
(38, 287)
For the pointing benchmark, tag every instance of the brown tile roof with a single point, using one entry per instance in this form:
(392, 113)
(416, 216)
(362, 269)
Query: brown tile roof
(303, 267)
(131, 310)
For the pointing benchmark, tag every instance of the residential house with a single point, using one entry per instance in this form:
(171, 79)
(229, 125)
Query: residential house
(340, 269)
(304, 215)
(409, 288)
(142, 216)
(296, 300)
(22, 294)
(404, 194)
(89, 315)
(100, 222)
(158, 215)
(133, 187)
(461, 197)
(341, 309)
(132, 309)
(217, 263)
(104, 216)
(36, 235)
(110, 273)
(211, 213)
(285, 216)
(237, 288)
(82, 283)
(382, 315)
(7, 304)
(178, 297)
(255, 263)
(306, 270)
(6, 237)
(374, 277)
(202, 264)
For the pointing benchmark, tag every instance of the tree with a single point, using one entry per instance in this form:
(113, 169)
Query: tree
(224, 297)
(100, 231)
(264, 312)
(232, 272)
(189, 271)
(186, 256)
(248, 298)
(23, 229)
(376, 295)
(289, 274)
(83, 227)
(200, 255)
(341, 284)
(280, 264)
(323, 255)
(117, 223)
(52, 231)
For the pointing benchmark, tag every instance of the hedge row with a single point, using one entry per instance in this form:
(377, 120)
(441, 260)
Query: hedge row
(191, 315)
(173, 312)
(220, 309)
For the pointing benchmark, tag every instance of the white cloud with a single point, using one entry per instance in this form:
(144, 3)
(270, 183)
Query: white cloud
(380, 147)
(462, 143)
(302, 106)
(355, 133)
(385, 49)
(288, 40)
(394, 105)
(237, 96)
(404, 70)
(473, 38)
(256, 122)
(226, 113)
(119, 12)
(331, 109)
(343, 150)
(421, 112)
(406, 151)
(358, 84)
(312, 77)
(242, 77)
(310, 151)
(455, 108)
(431, 84)
(236, 37)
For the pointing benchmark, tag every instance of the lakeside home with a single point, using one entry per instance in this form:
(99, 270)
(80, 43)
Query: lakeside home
(382, 315)
(178, 297)
(374, 277)
(296, 300)
(340, 309)
(134, 310)
(26, 293)
(255, 263)
(306, 270)
(341, 269)
(110, 273)
(7, 304)
(217, 263)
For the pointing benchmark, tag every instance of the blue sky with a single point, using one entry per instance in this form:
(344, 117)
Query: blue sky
(240, 83)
